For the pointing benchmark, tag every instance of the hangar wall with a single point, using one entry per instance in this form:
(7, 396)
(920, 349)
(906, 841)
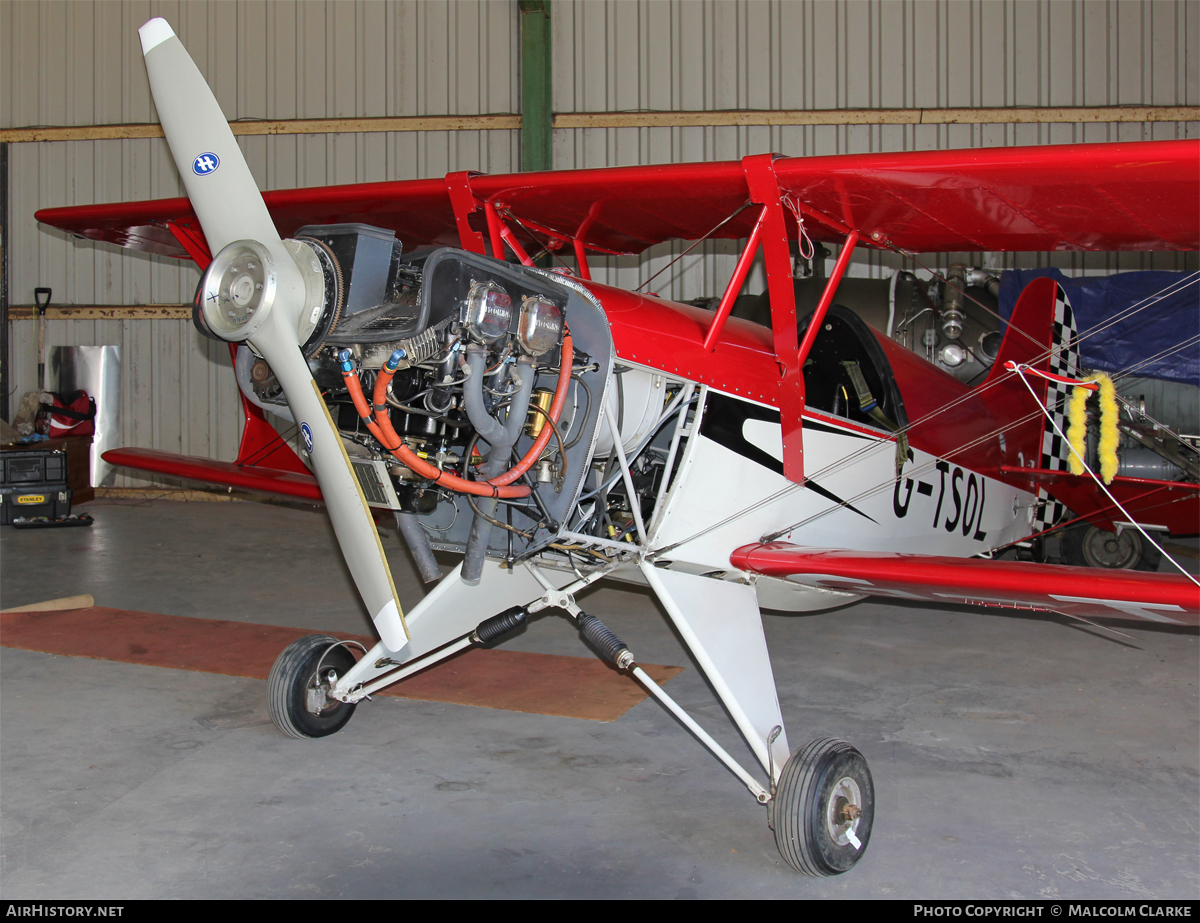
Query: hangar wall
(264, 60)
(79, 63)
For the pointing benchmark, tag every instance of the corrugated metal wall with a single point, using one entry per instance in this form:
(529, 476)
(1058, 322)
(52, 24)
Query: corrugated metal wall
(276, 60)
(683, 54)
(77, 63)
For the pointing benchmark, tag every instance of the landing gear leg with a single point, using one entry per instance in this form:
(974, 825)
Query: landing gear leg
(823, 808)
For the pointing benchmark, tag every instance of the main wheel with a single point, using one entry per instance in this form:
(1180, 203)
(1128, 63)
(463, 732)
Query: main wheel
(823, 808)
(298, 687)
(1086, 546)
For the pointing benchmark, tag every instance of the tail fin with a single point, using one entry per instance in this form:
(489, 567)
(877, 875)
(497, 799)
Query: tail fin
(1041, 334)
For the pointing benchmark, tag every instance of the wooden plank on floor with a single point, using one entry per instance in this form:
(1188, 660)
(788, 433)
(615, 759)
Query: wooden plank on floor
(545, 684)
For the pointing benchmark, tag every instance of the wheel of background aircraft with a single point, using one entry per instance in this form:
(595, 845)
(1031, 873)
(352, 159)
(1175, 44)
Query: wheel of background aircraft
(823, 808)
(1087, 546)
(297, 688)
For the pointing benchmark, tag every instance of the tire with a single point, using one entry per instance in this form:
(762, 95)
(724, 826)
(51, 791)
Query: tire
(1087, 546)
(294, 675)
(809, 811)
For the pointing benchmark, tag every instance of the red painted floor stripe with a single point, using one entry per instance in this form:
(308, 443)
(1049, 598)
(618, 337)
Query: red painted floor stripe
(546, 684)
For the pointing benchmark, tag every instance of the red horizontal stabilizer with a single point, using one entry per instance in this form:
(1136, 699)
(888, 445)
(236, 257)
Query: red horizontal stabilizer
(1077, 591)
(1170, 505)
(261, 480)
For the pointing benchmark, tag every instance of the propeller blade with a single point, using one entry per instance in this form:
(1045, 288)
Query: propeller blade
(352, 521)
(223, 191)
(231, 210)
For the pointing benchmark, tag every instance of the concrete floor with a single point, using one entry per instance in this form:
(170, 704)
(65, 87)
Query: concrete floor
(1013, 755)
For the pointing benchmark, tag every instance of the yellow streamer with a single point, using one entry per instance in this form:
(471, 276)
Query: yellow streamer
(1109, 436)
(1077, 428)
(1109, 433)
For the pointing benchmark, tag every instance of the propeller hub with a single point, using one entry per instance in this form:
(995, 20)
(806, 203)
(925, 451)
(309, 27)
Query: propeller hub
(238, 289)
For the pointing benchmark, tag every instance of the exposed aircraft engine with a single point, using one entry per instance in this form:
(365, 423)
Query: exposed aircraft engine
(469, 395)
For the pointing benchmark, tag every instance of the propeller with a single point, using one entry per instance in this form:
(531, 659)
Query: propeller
(268, 292)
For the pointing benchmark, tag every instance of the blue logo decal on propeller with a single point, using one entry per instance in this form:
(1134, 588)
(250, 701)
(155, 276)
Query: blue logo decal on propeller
(205, 164)
(306, 434)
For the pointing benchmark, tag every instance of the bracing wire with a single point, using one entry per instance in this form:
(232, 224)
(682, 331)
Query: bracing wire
(720, 224)
(965, 447)
(976, 392)
(885, 485)
(1101, 485)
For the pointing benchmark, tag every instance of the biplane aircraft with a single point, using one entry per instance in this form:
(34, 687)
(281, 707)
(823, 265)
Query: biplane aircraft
(556, 431)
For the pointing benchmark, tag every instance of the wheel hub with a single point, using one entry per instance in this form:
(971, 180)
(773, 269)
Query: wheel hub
(845, 812)
(1104, 549)
(316, 696)
(841, 819)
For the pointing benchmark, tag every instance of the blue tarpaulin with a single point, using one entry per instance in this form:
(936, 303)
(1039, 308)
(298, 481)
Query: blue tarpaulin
(1146, 342)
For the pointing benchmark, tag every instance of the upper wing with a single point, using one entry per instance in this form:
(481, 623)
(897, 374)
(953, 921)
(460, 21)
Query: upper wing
(1124, 196)
(1135, 196)
(1075, 591)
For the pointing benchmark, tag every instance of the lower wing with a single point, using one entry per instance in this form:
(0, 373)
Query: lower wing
(1073, 591)
(242, 477)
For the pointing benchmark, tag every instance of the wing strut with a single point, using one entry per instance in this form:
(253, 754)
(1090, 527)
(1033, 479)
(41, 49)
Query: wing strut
(763, 185)
(831, 286)
(462, 200)
(735, 284)
(771, 232)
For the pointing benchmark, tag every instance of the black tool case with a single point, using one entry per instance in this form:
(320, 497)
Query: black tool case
(33, 483)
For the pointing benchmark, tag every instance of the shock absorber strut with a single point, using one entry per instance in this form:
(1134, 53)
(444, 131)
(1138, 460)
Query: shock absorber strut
(604, 640)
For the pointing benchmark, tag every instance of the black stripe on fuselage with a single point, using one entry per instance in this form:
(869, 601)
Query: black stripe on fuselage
(724, 418)
(824, 428)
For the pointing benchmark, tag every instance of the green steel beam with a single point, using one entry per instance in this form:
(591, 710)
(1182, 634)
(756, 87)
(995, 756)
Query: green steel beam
(4, 378)
(536, 113)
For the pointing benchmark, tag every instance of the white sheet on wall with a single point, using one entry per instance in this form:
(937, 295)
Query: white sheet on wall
(96, 370)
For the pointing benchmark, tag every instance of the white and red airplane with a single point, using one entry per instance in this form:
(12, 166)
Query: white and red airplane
(557, 431)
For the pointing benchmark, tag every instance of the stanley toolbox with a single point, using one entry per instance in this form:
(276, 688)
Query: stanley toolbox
(34, 483)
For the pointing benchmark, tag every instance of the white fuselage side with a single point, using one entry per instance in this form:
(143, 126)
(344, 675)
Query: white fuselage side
(721, 500)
